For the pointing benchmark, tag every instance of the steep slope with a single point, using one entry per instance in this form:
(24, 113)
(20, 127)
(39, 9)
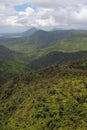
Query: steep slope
(56, 58)
(42, 42)
(29, 32)
(11, 64)
(9, 36)
(54, 98)
(73, 43)
(33, 45)
(43, 38)
(5, 52)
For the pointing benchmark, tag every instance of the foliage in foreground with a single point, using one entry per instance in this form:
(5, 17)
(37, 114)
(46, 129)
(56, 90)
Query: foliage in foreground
(54, 98)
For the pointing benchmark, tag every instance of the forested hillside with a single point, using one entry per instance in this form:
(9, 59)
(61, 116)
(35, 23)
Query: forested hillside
(39, 50)
(56, 58)
(43, 65)
(11, 64)
(42, 42)
(53, 98)
(43, 81)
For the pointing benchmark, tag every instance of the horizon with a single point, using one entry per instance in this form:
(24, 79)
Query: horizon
(40, 29)
(20, 15)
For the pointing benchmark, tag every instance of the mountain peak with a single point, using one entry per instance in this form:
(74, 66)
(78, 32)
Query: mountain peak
(30, 31)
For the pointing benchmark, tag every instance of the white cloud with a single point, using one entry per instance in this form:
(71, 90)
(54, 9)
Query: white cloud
(48, 14)
(43, 2)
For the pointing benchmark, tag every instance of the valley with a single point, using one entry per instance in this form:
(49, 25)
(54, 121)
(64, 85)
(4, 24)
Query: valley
(43, 80)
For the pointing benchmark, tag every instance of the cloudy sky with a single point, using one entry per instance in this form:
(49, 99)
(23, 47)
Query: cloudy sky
(19, 15)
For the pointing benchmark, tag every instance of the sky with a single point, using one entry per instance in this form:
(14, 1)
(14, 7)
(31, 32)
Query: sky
(20, 15)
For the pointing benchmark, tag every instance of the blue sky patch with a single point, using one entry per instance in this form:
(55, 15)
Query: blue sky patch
(24, 6)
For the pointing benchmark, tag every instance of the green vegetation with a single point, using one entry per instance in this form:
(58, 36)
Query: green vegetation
(55, 58)
(71, 44)
(11, 64)
(42, 43)
(53, 98)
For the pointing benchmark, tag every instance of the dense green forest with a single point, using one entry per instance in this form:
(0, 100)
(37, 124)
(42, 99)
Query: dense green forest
(53, 98)
(11, 64)
(43, 42)
(43, 80)
(55, 58)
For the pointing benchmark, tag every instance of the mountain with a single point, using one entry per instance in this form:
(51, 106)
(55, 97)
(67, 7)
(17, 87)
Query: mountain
(32, 45)
(5, 52)
(37, 96)
(42, 42)
(73, 43)
(53, 98)
(46, 48)
(29, 32)
(43, 38)
(9, 36)
(56, 58)
(11, 64)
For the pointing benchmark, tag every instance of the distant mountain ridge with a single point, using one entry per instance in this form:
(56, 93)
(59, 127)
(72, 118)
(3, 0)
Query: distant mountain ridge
(43, 42)
(5, 53)
(44, 38)
(29, 32)
(56, 58)
(11, 64)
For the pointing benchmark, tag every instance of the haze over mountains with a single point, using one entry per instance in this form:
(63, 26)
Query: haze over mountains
(41, 46)
(43, 80)
(47, 41)
(16, 35)
(38, 48)
(43, 65)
